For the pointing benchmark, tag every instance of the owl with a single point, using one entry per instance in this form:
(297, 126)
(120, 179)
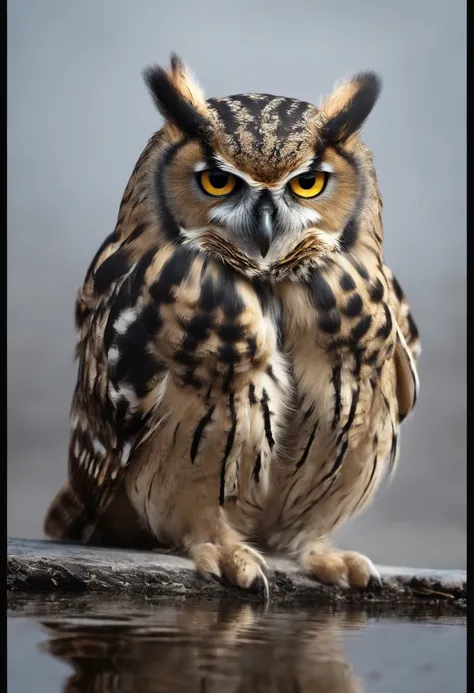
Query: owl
(245, 356)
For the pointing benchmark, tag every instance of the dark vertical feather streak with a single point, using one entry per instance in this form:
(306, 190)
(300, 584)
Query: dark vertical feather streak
(228, 447)
(336, 381)
(313, 504)
(337, 463)
(362, 498)
(350, 419)
(198, 433)
(305, 454)
(393, 449)
(257, 467)
(266, 419)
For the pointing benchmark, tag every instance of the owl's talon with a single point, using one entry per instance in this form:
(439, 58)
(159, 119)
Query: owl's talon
(347, 569)
(239, 565)
(260, 584)
(342, 582)
(375, 582)
(266, 587)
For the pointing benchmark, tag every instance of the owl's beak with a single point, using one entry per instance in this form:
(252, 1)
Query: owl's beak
(264, 231)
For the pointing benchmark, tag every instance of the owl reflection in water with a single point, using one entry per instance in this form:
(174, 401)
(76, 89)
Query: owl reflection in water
(245, 355)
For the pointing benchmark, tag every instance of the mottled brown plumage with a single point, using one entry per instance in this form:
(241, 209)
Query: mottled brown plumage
(245, 355)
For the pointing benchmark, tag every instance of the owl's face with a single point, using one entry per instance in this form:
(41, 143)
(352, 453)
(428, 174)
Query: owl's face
(259, 179)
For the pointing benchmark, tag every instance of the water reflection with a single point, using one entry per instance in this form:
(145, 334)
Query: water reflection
(193, 648)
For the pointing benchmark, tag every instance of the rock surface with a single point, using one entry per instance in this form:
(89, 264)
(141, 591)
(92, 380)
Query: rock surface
(48, 567)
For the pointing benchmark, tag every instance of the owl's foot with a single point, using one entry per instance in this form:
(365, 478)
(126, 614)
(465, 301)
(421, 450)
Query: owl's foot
(342, 568)
(237, 564)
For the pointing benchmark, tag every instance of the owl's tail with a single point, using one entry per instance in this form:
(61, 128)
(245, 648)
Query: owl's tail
(65, 517)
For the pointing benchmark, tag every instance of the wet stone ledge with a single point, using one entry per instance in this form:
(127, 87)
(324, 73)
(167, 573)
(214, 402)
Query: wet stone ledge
(39, 567)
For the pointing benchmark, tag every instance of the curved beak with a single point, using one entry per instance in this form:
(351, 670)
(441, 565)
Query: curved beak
(264, 230)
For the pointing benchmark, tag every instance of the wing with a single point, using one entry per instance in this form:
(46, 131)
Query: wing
(408, 348)
(112, 407)
(353, 352)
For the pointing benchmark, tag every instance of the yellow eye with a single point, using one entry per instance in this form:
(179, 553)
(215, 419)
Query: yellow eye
(309, 184)
(216, 182)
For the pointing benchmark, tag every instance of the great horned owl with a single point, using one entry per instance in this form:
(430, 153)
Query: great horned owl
(245, 355)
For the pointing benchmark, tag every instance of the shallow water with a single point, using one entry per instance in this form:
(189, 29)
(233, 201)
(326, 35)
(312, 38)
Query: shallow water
(82, 644)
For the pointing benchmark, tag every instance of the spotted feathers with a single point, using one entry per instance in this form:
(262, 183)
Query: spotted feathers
(224, 395)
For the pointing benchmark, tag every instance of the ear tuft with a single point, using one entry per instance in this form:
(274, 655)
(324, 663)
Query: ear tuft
(186, 83)
(178, 97)
(346, 109)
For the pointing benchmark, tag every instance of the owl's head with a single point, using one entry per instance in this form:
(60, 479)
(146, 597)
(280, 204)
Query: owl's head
(267, 183)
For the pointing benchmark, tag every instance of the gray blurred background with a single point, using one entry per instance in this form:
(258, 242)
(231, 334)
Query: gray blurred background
(78, 118)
